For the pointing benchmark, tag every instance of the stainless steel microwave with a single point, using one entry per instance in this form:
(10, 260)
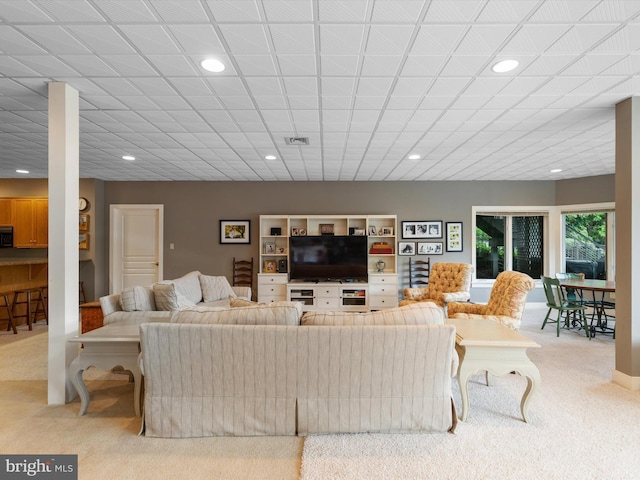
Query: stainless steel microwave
(6, 237)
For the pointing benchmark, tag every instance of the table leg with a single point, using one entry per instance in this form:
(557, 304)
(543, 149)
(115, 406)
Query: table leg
(532, 375)
(463, 380)
(76, 370)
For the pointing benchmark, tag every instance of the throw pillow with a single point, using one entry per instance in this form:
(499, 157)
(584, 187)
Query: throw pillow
(423, 313)
(271, 314)
(241, 302)
(137, 299)
(215, 288)
(167, 299)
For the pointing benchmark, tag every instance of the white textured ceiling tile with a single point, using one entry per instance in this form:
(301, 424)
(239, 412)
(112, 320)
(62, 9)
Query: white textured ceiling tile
(381, 65)
(293, 38)
(465, 65)
(447, 87)
(336, 102)
(365, 103)
(580, 38)
(88, 65)
(563, 10)
(203, 103)
(235, 10)
(172, 102)
(297, 64)
(341, 39)
(237, 102)
(129, 65)
(266, 102)
(438, 39)
(339, 65)
(534, 38)
(374, 86)
(264, 86)
(303, 102)
(397, 10)
(55, 39)
(506, 11)
(341, 11)
(289, 10)
(466, 102)
(71, 11)
(14, 42)
(13, 68)
(446, 11)
(13, 11)
(398, 102)
(301, 85)
(102, 38)
(197, 39)
(484, 39)
(180, 11)
(612, 11)
(172, 65)
(150, 39)
(388, 39)
(624, 40)
(126, 10)
(246, 38)
(423, 65)
(256, 65)
(48, 66)
(227, 86)
(190, 86)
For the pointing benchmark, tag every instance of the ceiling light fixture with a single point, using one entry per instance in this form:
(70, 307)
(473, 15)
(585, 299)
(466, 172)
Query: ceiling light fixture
(270, 157)
(555, 170)
(505, 66)
(128, 157)
(414, 157)
(212, 65)
(22, 171)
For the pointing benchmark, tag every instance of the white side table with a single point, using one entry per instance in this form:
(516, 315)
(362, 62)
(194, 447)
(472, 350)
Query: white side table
(107, 347)
(487, 346)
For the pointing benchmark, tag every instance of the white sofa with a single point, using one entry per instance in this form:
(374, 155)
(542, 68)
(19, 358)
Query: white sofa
(140, 304)
(264, 370)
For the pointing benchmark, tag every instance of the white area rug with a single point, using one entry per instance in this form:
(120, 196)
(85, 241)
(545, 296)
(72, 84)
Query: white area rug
(583, 426)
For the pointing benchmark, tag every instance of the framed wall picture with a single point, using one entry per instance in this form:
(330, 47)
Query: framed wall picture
(430, 248)
(83, 222)
(454, 236)
(406, 248)
(422, 229)
(235, 231)
(83, 241)
(269, 247)
(270, 266)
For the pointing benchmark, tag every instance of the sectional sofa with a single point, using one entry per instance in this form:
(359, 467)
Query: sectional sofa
(270, 370)
(141, 304)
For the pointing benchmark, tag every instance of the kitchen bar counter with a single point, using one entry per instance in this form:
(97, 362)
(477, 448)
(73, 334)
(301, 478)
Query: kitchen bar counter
(4, 262)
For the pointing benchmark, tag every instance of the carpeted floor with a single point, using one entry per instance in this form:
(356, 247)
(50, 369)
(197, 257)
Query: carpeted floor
(583, 427)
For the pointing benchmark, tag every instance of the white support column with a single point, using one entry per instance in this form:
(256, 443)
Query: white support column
(627, 370)
(64, 128)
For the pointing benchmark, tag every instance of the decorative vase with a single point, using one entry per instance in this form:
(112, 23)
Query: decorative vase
(380, 266)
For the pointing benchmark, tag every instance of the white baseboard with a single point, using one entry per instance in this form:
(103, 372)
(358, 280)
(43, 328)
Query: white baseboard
(626, 381)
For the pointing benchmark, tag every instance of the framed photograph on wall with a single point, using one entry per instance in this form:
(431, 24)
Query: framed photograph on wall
(406, 248)
(83, 222)
(422, 229)
(235, 231)
(83, 241)
(430, 248)
(454, 236)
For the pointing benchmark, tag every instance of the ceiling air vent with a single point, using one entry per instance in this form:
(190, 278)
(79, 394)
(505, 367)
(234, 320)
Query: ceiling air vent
(296, 140)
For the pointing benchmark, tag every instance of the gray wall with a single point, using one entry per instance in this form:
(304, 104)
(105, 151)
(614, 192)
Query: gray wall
(193, 210)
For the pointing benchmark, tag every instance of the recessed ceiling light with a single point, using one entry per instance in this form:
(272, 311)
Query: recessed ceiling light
(555, 170)
(270, 157)
(22, 171)
(128, 157)
(414, 157)
(212, 65)
(505, 66)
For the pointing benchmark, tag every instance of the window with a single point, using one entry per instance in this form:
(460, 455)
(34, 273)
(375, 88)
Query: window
(588, 243)
(509, 241)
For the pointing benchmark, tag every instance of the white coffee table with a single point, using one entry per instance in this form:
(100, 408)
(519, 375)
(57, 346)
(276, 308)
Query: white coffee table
(107, 347)
(487, 346)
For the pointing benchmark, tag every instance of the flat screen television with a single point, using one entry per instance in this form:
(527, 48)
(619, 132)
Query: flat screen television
(328, 257)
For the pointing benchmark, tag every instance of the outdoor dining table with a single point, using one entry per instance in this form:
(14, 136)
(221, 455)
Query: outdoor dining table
(598, 289)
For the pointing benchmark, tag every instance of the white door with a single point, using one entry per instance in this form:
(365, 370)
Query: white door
(135, 245)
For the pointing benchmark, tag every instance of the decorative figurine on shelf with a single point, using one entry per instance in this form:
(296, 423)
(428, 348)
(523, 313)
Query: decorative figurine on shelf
(380, 266)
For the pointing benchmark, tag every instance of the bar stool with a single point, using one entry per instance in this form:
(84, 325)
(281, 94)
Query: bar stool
(82, 298)
(42, 304)
(7, 306)
(26, 297)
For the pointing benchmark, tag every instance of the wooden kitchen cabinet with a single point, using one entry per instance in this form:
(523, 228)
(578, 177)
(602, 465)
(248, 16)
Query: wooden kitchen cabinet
(30, 222)
(6, 211)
